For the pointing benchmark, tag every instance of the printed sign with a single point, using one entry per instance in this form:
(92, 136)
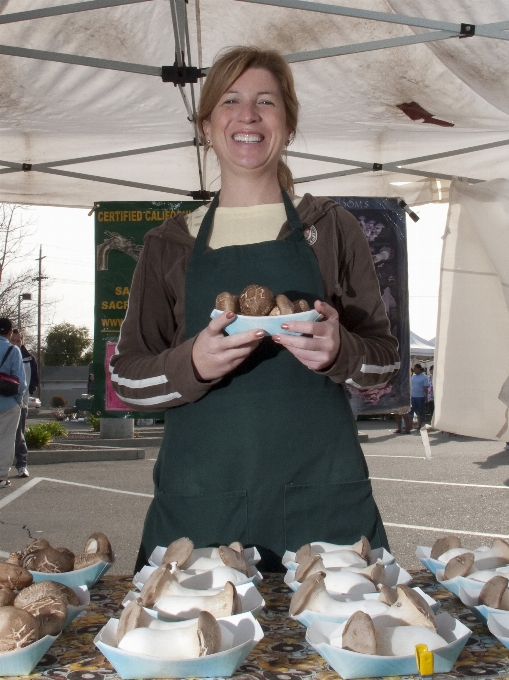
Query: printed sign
(383, 223)
(119, 231)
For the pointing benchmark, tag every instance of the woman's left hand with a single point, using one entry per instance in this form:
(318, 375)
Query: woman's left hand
(319, 351)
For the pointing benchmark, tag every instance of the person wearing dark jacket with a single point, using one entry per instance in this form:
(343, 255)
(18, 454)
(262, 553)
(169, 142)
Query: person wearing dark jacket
(32, 378)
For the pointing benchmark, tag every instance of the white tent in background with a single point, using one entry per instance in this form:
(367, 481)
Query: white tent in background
(420, 347)
(398, 96)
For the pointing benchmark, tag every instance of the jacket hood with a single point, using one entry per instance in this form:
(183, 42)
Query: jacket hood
(310, 210)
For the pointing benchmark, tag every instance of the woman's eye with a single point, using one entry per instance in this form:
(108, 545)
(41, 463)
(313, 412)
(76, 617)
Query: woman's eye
(267, 102)
(230, 101)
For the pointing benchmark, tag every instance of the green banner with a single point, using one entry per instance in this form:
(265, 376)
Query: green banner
(119, 231)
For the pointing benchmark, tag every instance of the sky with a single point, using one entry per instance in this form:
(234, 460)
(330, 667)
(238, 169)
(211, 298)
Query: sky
(67, 239)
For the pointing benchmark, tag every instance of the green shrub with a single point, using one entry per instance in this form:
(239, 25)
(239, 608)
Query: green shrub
(56, 429)
(58, 401)
(95, 423)
(37, 436)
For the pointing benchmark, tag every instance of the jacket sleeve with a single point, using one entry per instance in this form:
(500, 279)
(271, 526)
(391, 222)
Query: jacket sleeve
(368, 353)
(34, 375)
(152, 368)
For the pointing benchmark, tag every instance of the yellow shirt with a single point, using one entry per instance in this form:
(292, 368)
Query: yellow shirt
(241, 226)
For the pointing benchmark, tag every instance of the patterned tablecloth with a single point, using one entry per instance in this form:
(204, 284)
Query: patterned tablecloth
(282, 654)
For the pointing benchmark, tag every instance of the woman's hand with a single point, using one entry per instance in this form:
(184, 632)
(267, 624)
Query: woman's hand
(319, 351)
(214, 354)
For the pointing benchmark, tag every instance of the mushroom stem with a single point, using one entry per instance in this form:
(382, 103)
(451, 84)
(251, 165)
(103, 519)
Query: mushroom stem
(199, 638)
(361, 547)
(313, 595)
(177, 607)
(339, 579)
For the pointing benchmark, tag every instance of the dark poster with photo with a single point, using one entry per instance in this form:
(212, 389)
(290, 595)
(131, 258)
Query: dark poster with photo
(384, 225)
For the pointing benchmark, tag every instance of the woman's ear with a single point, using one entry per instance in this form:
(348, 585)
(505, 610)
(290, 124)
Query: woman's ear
(206, 130)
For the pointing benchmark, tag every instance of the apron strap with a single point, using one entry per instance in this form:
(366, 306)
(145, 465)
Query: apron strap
(204, 232)
(296, 226)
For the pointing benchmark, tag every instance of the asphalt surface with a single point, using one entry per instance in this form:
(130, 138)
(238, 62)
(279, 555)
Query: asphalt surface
(463, 487)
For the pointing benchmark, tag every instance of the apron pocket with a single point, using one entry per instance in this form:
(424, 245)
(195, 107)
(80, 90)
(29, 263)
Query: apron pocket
(206, 518)
(335, 513)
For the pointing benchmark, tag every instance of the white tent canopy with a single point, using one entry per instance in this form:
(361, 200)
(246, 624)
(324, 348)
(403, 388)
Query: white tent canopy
(420, 347)
(86, 117)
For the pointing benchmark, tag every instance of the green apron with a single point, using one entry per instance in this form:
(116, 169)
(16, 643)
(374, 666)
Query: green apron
(270, 456)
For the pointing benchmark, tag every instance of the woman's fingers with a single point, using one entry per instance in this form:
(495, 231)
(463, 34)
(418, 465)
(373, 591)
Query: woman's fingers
(321, 346)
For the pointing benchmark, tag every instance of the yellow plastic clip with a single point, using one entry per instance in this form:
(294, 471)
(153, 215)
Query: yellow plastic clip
(424, 659)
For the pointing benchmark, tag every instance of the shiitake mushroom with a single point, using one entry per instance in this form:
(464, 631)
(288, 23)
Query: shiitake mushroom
(257, 300)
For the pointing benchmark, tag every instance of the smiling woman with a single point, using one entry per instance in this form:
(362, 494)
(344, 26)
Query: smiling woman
(263, 448)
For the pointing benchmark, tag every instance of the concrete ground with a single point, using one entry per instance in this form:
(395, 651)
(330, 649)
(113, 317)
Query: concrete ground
(463, 488)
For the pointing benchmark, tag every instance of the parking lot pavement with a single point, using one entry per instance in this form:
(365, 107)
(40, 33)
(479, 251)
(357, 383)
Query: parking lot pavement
(464, 488)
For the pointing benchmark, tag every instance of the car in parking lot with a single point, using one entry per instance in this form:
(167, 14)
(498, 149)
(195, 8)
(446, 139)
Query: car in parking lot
(34, 403)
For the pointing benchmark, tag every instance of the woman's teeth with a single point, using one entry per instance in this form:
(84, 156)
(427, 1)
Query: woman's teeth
(249, 139)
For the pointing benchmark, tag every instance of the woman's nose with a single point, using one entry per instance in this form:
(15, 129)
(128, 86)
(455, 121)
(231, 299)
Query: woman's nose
(248, 112)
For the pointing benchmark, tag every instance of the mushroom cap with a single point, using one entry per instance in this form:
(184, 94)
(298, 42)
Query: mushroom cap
(461, 565)
(154, 585)
(7, 597)
(43, 589)
(493, 591)
(68, 553)
(256, 300)
(413, 608)
(309, 588)
(304, 551)
(50, 561)
(502, 547)
(363, 548)
(33, 547)
(87, 559)
(209, 634)
(376, 573)
(14, 577)
(226, 302)
(99, 543)
(442, 545)
(130, 618)
(388, 595)
(18, 628)
(308, 565)
(178, 551)
(15, 558)
(47, 604)
(237, 546)
(359, 634)
(301, 306)
(231, 558)
(237, 602)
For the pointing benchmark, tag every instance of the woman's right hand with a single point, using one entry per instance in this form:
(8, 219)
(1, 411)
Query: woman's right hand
(214, 354)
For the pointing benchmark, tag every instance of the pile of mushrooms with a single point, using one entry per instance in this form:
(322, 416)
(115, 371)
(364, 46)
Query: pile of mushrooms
(29, 611)
(40, 556)
(257, 300)
(478, 564)
(405, 624)
(174, 601)
(226, 563)
(344, 568)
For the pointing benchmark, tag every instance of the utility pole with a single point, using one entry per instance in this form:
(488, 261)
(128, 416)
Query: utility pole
(39, 279)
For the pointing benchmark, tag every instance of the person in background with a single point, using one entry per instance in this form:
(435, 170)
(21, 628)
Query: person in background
(11, 364)
(419, 385)
(430, 397)
(32, 378)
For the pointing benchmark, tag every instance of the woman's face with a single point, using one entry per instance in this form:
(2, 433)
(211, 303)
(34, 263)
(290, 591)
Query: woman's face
(247, 127)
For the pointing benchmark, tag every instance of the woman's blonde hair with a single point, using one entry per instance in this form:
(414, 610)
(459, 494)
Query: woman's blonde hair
(230, 65)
